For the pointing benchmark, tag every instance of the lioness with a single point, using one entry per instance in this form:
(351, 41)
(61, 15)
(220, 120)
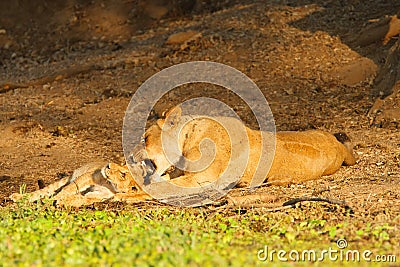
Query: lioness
(299, 156)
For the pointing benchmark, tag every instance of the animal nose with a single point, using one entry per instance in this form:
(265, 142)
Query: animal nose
(138, 153)
(149, 165)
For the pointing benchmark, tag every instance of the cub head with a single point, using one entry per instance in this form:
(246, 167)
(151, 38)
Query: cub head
(120, 177)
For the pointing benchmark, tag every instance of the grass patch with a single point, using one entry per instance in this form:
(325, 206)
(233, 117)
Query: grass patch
(42, 235)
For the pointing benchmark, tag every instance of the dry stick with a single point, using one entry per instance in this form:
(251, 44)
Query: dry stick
(302, 199)
(288, 204)
(279, 208)
(58, 75)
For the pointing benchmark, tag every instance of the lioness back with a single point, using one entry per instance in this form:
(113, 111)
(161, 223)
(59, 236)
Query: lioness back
(307, 155)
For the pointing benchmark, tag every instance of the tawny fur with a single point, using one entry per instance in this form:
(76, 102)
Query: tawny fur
(299, 156)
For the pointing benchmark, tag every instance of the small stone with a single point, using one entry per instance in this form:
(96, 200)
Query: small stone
(60, 131)
(155, 12)
(182, 37)
(4, 178)
(7, 45)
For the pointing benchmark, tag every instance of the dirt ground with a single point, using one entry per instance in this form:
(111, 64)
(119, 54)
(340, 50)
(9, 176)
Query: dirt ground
(69, 69)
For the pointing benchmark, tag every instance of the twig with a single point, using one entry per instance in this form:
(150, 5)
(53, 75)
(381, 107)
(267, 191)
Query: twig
(302, 199)
(57, 75)
(262, 205)
(62, 74)
(286, 205)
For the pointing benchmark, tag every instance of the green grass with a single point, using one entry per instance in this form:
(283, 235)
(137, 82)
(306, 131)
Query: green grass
(42, 235)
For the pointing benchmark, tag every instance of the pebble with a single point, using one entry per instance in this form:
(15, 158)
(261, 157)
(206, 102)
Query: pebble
(181, 37)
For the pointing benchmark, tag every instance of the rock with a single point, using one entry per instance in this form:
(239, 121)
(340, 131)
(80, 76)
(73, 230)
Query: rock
(389, 74)
(372, 33)
(394, 29)
(4, 178)
(155, 11)
(386, 112)
(183, 37)
(355, 72)
(60, 131)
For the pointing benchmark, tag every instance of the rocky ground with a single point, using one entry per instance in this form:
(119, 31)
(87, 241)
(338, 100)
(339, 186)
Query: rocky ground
(69, 69)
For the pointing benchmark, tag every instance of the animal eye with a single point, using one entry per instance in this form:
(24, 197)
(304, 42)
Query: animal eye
(107, 170)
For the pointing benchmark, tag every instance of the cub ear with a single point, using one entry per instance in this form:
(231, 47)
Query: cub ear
(172, 116)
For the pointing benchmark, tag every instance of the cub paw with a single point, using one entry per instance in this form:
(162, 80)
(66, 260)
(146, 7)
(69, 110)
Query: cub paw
(16, 197)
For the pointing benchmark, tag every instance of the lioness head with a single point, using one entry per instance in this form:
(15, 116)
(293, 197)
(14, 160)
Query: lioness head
(161, 134)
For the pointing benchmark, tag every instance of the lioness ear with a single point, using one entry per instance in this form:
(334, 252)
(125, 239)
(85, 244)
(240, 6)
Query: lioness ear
(173, 116)
(160, 123)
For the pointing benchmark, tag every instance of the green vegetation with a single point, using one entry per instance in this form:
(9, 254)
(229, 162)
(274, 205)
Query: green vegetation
(43, 235)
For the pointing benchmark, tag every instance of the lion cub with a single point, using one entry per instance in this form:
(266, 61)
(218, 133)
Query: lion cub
(93, 182)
